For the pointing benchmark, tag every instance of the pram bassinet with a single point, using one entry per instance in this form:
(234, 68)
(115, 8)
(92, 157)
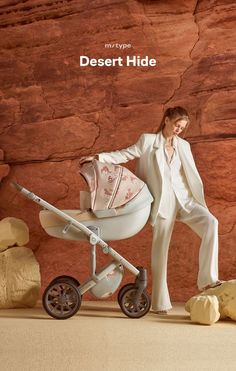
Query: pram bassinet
(118, 216)
(119, 205)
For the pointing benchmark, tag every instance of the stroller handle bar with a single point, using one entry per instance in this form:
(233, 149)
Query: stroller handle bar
(94, 238)
(60, 213)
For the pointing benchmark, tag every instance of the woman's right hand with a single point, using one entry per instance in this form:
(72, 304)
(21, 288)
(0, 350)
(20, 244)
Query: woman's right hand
(84, 159)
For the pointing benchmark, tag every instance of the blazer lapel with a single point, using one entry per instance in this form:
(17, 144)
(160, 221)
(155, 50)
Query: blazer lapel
(186, 160)
(182, 154)
(158, 147)
(193, 178)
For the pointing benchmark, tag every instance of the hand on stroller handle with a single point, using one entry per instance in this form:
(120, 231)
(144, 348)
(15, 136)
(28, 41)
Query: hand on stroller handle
(85, 159)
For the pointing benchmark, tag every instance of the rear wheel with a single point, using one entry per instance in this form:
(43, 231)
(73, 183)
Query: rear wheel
(65, 278)
(61, 299)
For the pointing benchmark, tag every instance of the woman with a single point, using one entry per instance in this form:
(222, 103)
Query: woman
(167, 166)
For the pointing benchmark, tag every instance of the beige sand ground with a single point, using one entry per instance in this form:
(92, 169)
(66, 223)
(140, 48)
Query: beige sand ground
(100, 337)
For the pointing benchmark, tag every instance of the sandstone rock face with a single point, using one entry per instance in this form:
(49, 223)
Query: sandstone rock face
(204, 309)
(4, 168)
(13, 231)
(53, 111)
(19, 277)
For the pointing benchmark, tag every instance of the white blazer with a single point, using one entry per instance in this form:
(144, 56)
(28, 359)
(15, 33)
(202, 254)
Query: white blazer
(150, 166)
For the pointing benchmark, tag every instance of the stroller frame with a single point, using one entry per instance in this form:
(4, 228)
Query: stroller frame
(132, 298)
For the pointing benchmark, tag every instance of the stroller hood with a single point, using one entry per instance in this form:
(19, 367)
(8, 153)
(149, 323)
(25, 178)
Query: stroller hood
(111, 186)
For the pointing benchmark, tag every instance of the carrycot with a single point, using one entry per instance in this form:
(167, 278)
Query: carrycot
(118, 204)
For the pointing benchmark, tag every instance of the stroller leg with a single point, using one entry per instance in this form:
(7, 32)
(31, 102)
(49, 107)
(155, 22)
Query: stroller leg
(141, 279)
(93, 260)
(141, 282)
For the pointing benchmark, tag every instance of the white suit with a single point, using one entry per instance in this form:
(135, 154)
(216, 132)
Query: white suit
(150, 168)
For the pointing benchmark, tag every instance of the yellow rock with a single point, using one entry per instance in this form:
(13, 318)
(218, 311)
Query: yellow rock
(226, 297)
(13, 231)
(204, 309)
(230, 308)
(19, 278)
(226, 294)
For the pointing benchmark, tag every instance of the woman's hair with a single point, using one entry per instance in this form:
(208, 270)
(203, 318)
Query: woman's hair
(172, 113)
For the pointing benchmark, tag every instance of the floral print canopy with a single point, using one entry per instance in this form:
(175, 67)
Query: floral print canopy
(110, 185)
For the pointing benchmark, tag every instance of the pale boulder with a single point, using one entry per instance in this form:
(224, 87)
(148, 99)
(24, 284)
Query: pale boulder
(226, 294)
(19, 278)
(13, 232)
(204, 309)
(230, 308)
(226, 297)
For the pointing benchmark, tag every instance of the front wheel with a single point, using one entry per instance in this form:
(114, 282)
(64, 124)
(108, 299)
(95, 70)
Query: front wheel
(61, 299)
(132, 306)
(122, 290)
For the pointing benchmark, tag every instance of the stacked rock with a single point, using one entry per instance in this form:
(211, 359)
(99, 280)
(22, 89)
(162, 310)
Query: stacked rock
(213, 304)
(19, 269)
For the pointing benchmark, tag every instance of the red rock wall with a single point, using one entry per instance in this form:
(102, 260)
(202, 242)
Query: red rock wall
(53, 111)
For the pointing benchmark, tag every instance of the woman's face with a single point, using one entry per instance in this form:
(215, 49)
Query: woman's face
(176, 125)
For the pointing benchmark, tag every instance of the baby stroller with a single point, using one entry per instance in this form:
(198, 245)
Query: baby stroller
(117, 207)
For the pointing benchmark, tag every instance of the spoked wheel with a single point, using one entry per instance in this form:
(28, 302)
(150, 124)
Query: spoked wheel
(65, 278)
(122, 290)
(132, 307)
(61, 300)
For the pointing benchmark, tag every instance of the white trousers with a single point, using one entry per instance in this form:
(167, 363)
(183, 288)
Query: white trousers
(205, 225)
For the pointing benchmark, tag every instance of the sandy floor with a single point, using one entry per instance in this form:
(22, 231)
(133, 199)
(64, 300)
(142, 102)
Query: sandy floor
(100, 337)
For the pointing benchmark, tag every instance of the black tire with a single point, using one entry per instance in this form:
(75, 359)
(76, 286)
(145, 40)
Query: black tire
(61, 299)
(65, 278)
(123, 289)
(129, 306)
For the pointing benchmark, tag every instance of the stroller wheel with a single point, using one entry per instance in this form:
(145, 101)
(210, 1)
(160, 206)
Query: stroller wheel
(65, 278)
(133, 307)
(123, 289)
(61, 300)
